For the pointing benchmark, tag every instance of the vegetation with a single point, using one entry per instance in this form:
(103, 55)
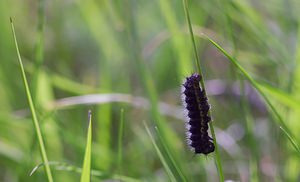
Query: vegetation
(125, 61)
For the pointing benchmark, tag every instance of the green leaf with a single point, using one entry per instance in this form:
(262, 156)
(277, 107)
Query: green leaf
(86, 168)
(160, 155)
(62, 166)
(211, 126)
(32, 109)
(252, 81)
(291, 139)
(284, 98)
(120, 136)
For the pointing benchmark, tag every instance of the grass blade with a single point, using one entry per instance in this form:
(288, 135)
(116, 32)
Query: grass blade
(177, 38)
(121, 128)
(171, 160)
(251, 80)
(32, 109)
(186, 11)
(62, 166)
(39, 47)
(168, 137)
(293, 142)
(160, 155)
(108, 44)
(217, 153)
(86, 168)
(278, 119)
(281, 96)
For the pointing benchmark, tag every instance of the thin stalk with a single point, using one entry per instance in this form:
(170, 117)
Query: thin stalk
(39, 46)
(252, 82)
(32, 109)
(186, 11)
(217, 153)
(244, 106)
(86, 166)
(166, 134)
(253, 164)
(161, 156)
(292, 140)
(100, 174)
(121, 128)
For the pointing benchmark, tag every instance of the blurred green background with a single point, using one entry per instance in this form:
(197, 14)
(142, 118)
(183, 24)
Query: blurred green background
(113, 54)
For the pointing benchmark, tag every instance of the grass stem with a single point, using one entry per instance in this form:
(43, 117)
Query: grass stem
(120, 136)
(217, 154)
(32, 109)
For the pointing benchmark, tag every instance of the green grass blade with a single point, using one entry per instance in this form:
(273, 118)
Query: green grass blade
(177, 38)
(121, 128)
(39, 47)
(108, 45)
(32, 109)
(168, 137)
(293, 142)
(229, 31)
(160, 155)
(217, 153)
(62, 166)
(251, 80)
(251, 141)
(166, 153)
(86, 168)
(278, 117)
(186, 11)
(283, 97)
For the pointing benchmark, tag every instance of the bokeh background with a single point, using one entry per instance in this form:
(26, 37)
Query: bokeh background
(109, 55)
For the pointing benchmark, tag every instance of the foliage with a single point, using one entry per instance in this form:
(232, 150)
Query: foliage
(107, 55)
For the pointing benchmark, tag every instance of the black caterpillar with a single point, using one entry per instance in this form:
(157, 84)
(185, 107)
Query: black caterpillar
(196, 104)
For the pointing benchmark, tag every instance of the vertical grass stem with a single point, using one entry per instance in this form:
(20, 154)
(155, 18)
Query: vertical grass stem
(217, 154)
(32, 109)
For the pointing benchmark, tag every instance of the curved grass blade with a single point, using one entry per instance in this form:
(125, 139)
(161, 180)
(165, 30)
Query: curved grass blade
(62, 166)
(86, 168)
(167, 153)
(284, 98)
(160, 155)
(32, 109)
(252, 82)
(293, 142)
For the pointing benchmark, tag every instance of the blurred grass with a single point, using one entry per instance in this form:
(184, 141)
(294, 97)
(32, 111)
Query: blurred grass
(142, 48)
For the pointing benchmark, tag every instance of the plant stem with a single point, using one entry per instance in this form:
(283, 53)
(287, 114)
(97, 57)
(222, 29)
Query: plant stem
(120, 137)
(217, 154)
(32, 109)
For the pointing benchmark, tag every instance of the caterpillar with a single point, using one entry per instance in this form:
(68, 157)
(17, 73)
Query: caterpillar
(196, 104)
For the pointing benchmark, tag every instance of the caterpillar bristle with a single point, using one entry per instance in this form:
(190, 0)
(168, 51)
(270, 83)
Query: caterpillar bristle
(197, 108)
